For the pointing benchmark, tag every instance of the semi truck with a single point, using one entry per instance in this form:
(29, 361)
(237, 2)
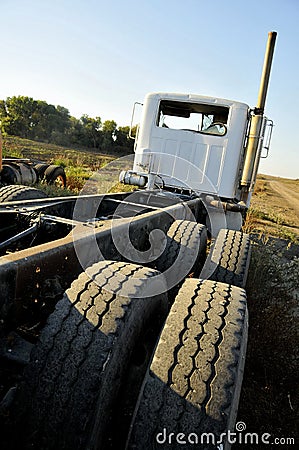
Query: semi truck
(124, 315)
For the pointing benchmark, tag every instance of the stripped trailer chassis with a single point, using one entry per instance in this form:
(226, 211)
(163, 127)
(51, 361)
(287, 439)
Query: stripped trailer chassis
(25, 274)
(70, 253)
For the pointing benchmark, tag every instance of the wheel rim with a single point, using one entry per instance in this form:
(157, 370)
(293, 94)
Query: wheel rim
(59, 181)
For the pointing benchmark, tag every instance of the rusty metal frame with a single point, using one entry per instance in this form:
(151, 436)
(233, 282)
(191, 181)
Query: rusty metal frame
(24, 274)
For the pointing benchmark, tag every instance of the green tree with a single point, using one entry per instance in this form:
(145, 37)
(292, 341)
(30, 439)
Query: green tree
(123, 142)
(3, 117)
(122, 136)
(92, 128)
(109, 134)
(76, 133)
(50, 122)
(35, 119)
(18, 120)
(3, 112)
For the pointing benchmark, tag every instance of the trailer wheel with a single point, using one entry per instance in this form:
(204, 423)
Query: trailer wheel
(229, 258)
(78, 365)
(185, 245)
(40, 170)
(193, 384)
(55, 175)
(17, 192)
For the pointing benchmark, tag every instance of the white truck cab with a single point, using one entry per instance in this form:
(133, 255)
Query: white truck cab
(192, 142)
(205, 146)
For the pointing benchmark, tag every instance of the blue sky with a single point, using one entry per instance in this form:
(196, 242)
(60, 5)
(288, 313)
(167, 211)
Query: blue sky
(97, 57)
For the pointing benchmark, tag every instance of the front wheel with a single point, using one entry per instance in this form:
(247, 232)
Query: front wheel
(229, 258)
(191, 391)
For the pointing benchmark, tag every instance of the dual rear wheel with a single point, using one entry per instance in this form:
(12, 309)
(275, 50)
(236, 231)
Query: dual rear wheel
(102, 363)
(51, 174)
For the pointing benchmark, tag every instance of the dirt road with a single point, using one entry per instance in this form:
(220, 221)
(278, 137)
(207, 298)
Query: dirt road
(290, 195)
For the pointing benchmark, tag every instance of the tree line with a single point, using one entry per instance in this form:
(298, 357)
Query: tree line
(35, 119)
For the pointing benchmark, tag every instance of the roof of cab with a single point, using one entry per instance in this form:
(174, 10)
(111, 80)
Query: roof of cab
(195, 98)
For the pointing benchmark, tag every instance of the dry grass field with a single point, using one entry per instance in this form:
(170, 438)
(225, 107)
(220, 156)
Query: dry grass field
(275, 208)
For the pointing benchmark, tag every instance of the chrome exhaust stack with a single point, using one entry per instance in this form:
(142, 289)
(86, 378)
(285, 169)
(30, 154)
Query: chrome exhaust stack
(255, 134)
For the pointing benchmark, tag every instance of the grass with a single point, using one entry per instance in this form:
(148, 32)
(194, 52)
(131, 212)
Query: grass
(19, 147)
(272, 224)
(270, 214)
(79, 164)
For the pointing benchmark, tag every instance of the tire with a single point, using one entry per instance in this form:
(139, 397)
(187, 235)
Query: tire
(185, 244)
(194, 381)
(10, 174)
(229, 258)
(55, 175)
(17, 192)
(40, 170)
(77, 367)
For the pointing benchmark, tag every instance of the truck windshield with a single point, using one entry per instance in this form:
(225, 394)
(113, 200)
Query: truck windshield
(195, 117)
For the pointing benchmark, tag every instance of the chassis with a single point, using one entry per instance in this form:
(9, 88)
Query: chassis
(75, 251)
